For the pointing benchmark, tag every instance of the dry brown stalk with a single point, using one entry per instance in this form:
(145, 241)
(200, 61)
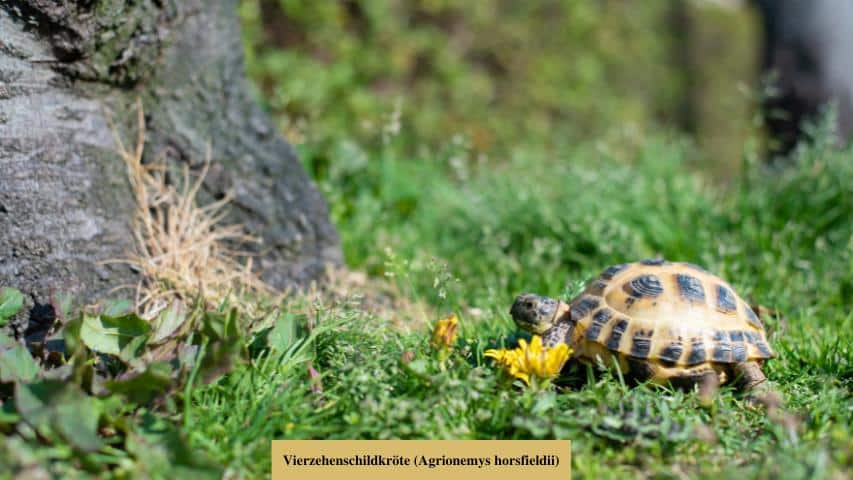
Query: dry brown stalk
(182, 249)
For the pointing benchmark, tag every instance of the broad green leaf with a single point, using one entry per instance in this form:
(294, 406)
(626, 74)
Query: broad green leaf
(187, 355)
(71, 335)
(168, 322)
(117, 308)
(134, 348)
(16, 363)
(164, 452)
(6, 341)
(11, 301)
(77, 421)
(283, 334)
(51, 407)
(8, 414)
(219, 358)
(223, 347)
(64, 303)
(111, 334)
(141, 387)
(221, 325)
(213, 325)
(80, 362)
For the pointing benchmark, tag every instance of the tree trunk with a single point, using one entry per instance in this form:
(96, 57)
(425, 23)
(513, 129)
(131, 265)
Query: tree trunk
(66, 69)
(807, 45)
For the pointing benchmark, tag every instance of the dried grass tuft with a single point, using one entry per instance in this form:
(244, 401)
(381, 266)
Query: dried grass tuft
(182, 249)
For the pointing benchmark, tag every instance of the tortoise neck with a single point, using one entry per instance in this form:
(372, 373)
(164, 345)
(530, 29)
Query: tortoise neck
(562, 312)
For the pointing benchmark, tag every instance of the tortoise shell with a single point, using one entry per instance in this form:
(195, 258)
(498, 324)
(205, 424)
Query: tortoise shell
(670, 316)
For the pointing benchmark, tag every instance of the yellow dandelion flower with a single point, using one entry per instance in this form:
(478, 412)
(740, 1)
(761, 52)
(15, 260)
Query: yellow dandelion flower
(532, 359)
(444, 333)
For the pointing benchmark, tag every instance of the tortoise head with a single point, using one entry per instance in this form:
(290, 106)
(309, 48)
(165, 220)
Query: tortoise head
(534, 313)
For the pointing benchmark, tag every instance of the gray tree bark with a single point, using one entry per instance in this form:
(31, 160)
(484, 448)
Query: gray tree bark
(807, 44)
(66, 68)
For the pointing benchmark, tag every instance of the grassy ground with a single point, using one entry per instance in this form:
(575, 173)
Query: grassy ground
(448, 227)
(467, 242)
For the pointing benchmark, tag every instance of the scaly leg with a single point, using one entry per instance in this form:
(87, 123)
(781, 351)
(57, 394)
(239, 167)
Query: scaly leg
(750, 374)
(762, 393)
(708, 387)
(752, 380)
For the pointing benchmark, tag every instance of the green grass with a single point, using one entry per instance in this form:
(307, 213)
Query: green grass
(467, 238)
(462, 227)
(464, 185)
(546, 223)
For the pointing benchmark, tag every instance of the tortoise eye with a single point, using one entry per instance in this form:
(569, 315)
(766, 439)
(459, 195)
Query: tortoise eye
(529, 304)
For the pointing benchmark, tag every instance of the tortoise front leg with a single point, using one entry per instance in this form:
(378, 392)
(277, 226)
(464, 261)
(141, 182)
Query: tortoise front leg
(750, 374)
(560, 332)
(709, 384)
(762, 393)
(752, 380)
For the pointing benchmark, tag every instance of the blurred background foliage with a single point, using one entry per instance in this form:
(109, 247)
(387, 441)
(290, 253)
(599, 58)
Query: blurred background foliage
(497, 75)
(512, 145)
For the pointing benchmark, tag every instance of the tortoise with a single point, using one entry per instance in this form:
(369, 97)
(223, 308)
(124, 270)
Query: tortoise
(660, 321)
